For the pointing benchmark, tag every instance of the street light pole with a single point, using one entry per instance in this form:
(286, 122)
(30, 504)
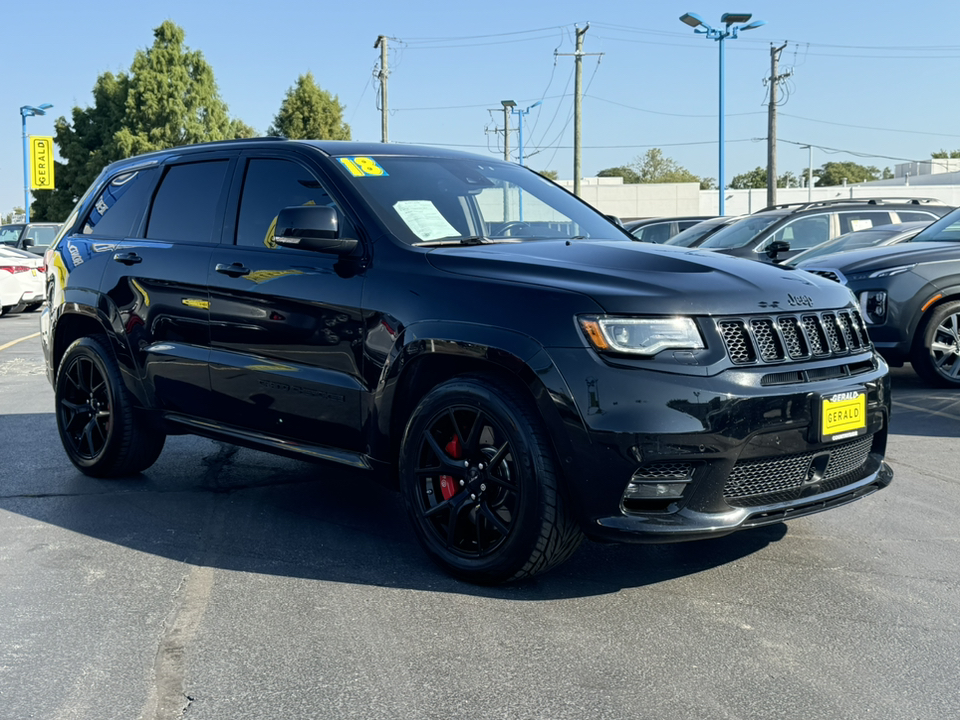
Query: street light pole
(520, 114)
(731, 29)
(25, 112)
(721, 175)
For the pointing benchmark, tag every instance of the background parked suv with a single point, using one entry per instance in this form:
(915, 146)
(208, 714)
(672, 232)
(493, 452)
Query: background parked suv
(910, 297)
(33, 237)
(465, 330)
(800, 226)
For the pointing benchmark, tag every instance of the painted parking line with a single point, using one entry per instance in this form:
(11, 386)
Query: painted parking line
(915, 408)
(19, 340)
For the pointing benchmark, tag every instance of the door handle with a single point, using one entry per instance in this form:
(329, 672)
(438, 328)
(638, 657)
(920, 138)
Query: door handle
(234, 270)
(130, 258)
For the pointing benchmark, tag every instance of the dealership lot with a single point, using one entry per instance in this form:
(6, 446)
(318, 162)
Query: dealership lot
(226, 583)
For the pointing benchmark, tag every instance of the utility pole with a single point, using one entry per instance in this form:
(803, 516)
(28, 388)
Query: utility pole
(774, 80)
(577, 105)
(382, 75)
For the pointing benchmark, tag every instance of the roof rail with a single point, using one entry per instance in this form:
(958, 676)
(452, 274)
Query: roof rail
(855, 201)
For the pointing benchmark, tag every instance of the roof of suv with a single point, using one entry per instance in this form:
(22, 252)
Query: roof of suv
(328, 147)
(793, 208)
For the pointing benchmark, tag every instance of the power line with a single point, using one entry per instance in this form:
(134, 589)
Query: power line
(866, 156)
(660, 112)
(593, 147)
(453, 38)
(867, 127)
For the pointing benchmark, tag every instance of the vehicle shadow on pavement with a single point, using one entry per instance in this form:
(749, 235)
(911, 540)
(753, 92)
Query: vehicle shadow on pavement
(920, 410)
(212, 504)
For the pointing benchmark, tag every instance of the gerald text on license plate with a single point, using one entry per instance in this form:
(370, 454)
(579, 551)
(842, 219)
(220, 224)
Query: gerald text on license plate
(843, 415)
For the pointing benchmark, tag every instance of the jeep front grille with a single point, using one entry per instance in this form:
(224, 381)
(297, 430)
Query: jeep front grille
(802, 336)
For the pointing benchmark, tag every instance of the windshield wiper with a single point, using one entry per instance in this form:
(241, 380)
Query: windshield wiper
(469, 240)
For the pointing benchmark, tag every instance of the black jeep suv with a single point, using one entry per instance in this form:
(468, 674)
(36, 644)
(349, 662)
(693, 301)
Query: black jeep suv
(461, 327)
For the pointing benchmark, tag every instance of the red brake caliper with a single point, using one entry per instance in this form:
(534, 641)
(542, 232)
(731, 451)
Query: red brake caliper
(447, 485)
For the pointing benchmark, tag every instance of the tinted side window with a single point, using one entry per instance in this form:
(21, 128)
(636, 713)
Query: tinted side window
(863, 220)
(804, 232)
(269, 186)
(654, 233)
(915, 216)
(184, 208)
(120, 205)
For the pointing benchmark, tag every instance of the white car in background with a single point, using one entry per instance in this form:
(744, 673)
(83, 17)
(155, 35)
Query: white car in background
(22, 280)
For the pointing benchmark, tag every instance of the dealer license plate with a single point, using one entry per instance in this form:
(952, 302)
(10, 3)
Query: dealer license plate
(843, 415)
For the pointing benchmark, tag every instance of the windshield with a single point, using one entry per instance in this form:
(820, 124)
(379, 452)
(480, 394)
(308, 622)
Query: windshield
(686, 238)
(850, 241)
(9, 234)
(430, 200)
(946, 229)
(741, 233)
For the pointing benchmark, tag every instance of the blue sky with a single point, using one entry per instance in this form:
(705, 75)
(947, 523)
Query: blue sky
(873, 78)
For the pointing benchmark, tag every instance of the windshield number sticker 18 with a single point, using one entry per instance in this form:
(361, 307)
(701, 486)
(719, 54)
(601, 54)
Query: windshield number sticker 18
(363, 166)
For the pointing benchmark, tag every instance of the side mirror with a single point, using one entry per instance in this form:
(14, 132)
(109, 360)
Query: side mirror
(615, 220)
(777, 247)
(313, 227)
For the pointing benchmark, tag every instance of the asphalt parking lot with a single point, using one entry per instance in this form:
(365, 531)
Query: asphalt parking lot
(226, 583)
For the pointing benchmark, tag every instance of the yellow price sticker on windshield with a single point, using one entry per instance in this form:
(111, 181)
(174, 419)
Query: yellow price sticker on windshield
(363, 166)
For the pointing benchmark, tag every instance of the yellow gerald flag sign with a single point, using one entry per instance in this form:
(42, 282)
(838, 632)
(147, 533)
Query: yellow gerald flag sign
(41, 163)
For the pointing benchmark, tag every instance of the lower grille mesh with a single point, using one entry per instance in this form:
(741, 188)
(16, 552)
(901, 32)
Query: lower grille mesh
(758, 482)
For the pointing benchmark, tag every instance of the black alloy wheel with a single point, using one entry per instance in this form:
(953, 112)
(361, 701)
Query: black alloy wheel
(480, 486)
(101, 431)
(85, 406)
(936, 354)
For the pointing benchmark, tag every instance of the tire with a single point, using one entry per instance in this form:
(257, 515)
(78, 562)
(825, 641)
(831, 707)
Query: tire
(480, 483)
(936, 351)
(33, 308)
(6, 309)
(101, 430)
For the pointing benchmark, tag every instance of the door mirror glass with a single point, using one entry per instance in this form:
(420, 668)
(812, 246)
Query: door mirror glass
(777, 247)
(312, 227)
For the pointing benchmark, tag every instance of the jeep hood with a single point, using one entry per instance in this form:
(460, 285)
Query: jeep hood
(632, 277)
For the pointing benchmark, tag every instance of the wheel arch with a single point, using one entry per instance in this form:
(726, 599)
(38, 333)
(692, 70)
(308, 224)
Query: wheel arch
(932, 299)
(77, 319)
(429, 354)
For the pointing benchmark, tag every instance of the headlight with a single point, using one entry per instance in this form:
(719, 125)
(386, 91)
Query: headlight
(886, 272)
(873, 305)
(641, 336)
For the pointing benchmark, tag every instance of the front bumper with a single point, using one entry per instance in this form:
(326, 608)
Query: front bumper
(751, 452)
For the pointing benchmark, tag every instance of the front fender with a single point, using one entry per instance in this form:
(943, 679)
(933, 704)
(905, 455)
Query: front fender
(431, 352)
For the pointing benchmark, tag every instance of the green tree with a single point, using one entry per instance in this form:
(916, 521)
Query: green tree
(8, 218)
(834, 173)
(549, 174)
(168, 98)
(654, 167)
(754, 179)
(758, 179)
(628, 174)
(309, 112)
(944, 154)
(172, 99)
